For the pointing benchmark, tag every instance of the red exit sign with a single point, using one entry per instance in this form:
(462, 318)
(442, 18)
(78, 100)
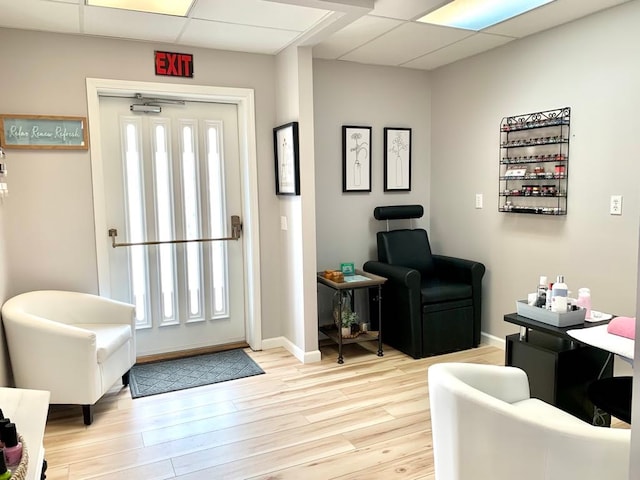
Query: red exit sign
(174, 64)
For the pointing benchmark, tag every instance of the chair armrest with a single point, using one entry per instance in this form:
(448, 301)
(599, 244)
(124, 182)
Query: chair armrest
(45, 354)
(407, 277)
(458, 269)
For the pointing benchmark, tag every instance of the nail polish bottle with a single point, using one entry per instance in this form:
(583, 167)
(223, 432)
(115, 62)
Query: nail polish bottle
(3, 422)
(12, 447)
(5, 473)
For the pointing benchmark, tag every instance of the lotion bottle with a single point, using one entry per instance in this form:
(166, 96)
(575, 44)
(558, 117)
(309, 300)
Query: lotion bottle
(559, 295)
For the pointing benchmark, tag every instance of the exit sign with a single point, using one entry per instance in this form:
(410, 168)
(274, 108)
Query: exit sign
(174, 64)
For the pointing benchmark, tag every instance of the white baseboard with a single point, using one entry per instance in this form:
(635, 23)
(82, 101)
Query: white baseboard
(315, 356)
(488, 339)
(304, 357)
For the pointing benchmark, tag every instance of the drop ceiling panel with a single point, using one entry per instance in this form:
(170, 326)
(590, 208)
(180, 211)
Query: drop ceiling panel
(113, 22)
(354, 35)
(242, 38)
(480, 42)
(259, 13)
(39, 15)
(550, 15)
(408, 41)
(406, 9)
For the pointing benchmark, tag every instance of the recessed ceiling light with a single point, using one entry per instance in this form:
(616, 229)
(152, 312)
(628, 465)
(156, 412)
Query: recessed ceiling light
(166, 7)
(479, 14)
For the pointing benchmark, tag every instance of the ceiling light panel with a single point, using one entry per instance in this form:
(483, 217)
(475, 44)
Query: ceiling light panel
(479, 14)
(178, 8)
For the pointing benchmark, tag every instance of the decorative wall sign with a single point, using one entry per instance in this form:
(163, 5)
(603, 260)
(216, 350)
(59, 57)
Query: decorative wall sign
(397, 159)
(43, 132)
(287, 161)
(174, 64)
(356, 159)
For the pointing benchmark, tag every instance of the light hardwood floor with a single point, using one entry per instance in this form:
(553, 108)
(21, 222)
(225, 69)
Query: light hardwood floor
(366, 419)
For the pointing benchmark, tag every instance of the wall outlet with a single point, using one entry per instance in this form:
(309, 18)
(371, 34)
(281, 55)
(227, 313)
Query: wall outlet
(615, 207)
(478, 200)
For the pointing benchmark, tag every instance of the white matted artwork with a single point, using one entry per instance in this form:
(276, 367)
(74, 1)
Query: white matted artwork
(287, 162)
(356, 159)
(397, 159)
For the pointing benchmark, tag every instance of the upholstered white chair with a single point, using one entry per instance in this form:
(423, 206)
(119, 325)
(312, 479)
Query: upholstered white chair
(75, 345)
(486, 427)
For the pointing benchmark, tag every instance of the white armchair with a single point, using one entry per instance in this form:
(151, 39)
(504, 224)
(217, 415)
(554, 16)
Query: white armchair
(75, 345)
(485, 426)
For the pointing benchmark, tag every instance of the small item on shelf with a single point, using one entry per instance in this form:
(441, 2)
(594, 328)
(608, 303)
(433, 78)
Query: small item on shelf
(334, 275)
(347, 269)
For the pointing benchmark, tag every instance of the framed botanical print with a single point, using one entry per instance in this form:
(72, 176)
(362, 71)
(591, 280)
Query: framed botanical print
(397, 159)
(287, 160)
(356, 159)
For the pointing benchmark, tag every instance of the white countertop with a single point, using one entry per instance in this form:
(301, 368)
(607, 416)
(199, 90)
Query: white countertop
(28, 409)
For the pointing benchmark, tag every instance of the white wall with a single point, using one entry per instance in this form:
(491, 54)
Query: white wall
(298, 309)
(587, 65)
(48, 219)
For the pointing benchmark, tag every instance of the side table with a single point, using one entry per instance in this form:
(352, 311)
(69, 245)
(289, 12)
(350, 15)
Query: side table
(354, 282)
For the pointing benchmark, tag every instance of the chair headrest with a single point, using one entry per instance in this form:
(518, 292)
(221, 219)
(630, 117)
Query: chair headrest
(396, 212)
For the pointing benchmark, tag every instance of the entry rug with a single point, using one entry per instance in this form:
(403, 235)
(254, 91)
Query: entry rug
(170, 375)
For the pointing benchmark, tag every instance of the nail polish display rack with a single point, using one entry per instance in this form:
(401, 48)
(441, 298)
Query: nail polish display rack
(534, 162)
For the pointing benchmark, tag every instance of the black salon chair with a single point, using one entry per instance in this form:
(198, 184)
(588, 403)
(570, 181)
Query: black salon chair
(431, 304)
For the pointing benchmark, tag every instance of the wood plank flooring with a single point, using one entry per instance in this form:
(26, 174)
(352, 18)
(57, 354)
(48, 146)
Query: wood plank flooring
(366, 419)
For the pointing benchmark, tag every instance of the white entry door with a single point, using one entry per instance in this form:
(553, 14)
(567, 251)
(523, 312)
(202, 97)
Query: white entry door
(175, 175)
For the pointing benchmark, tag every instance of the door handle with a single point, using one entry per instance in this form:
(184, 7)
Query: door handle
(236, 230)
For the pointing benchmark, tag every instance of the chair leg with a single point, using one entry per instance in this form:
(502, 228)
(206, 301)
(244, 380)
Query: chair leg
(87, 413)
(125, 378)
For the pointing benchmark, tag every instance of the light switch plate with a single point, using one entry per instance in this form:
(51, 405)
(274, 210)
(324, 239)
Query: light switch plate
(283, 223)
(479, 200)
(615, 206)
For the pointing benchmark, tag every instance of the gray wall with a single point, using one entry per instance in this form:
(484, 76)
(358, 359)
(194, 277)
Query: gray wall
(365, 95)
(587, 65)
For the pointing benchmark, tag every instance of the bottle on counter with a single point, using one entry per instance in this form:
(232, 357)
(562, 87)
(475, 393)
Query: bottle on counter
(559, 294)
(541, 300)
(584, 301)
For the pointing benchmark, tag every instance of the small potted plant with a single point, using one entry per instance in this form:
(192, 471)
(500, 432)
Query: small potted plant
(349, 319)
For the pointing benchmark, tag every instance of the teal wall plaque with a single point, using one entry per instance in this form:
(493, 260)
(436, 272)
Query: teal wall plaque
(43, 132)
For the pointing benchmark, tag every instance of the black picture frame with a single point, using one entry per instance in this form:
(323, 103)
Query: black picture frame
(356, 158)
(397, 159)
(286, 151)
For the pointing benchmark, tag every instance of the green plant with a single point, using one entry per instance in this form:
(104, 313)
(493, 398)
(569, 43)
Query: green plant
(349, 318)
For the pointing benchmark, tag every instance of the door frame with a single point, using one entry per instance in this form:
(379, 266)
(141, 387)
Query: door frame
(244, 99)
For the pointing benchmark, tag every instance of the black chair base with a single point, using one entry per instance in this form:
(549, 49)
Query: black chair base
(613, 395)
